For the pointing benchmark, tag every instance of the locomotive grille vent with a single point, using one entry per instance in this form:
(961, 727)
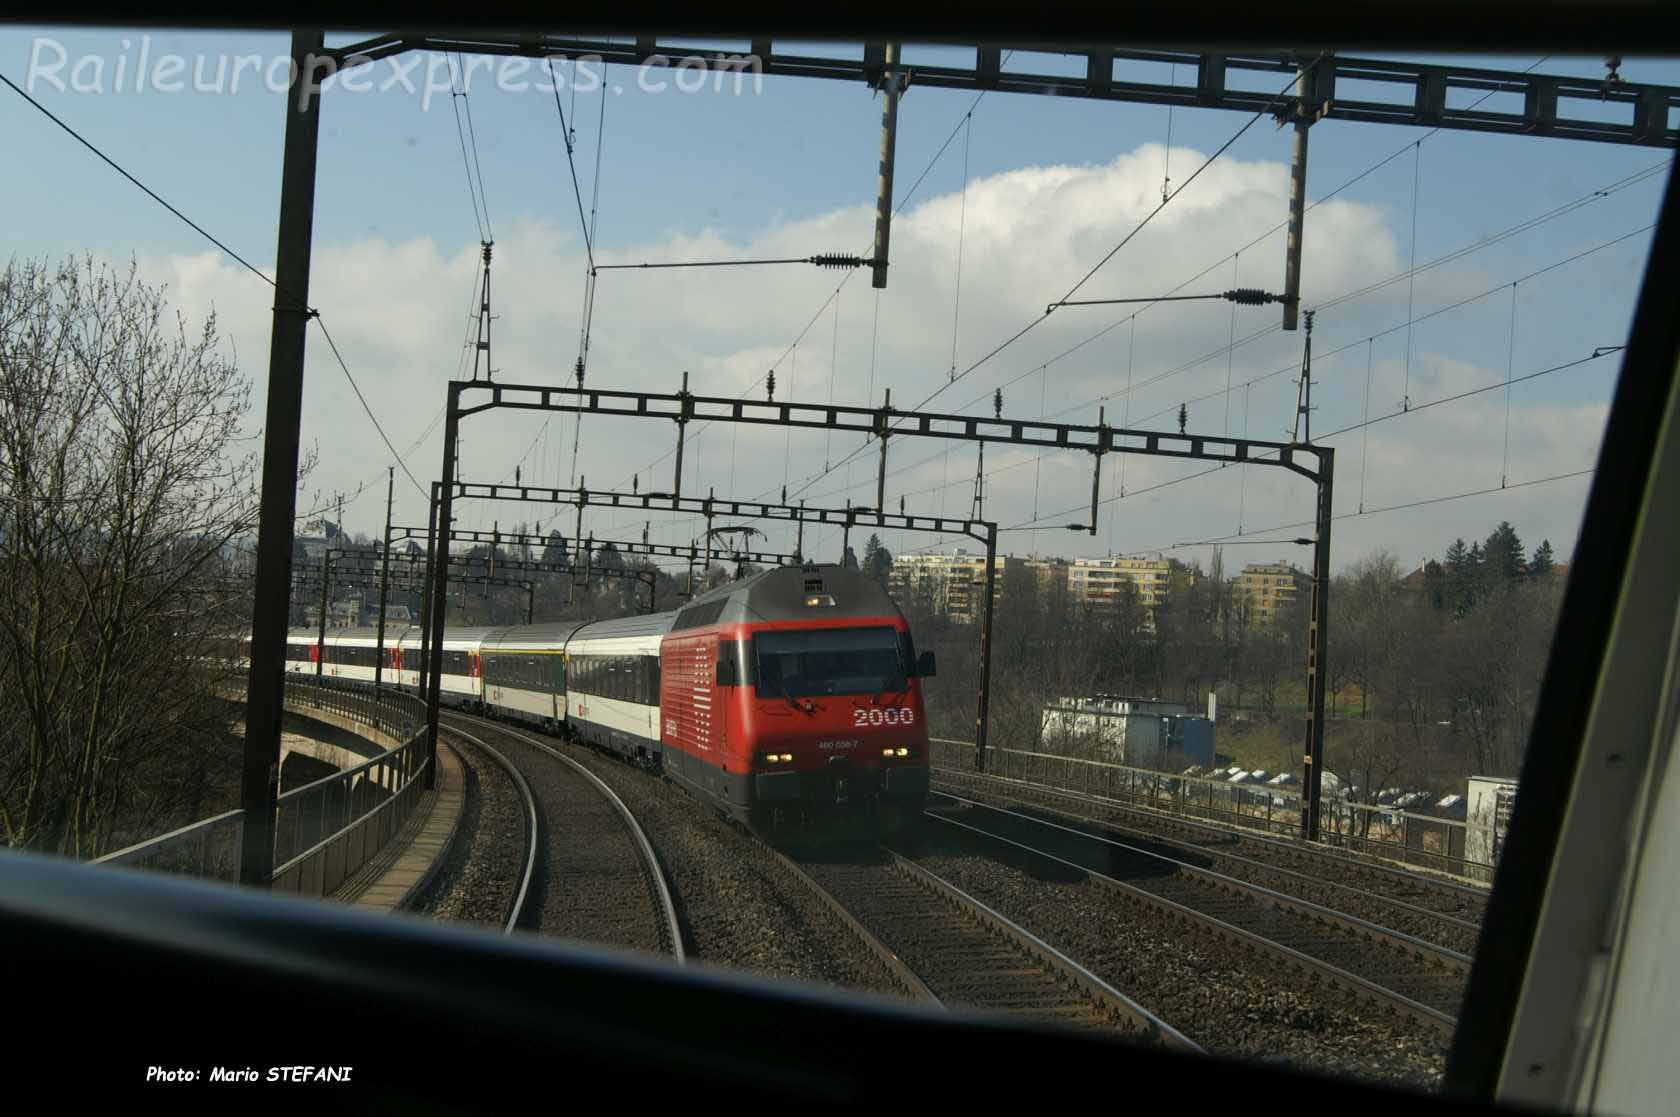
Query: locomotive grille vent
(698, 615)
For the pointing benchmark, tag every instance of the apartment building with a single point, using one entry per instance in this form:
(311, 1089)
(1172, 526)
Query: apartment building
(1270, 589)
(952, 584)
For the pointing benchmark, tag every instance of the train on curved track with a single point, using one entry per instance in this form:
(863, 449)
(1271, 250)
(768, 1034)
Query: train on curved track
(791, 700)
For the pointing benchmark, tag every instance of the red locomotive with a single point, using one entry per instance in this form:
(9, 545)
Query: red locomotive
(793, 700)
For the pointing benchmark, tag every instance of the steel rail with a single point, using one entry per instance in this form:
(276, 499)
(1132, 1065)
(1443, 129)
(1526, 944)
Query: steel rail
(1453, 921)
(1156, 1030)
(1373, 862)
(516, 910)
(644, 848)
(901, 972)
(1335, 975)
(1446, 958)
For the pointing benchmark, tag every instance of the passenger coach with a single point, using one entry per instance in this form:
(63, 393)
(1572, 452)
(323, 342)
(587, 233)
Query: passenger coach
(790, 700)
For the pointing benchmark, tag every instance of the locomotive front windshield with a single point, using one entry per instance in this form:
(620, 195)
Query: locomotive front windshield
(824, 661)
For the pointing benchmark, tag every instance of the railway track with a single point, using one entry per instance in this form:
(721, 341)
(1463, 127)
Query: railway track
(484, 873)
(1460, 904)
(598, 880)
(968, 956)
(1449, 932)
(885, 929)
(516, 909)
(1382, 969)
(741, 903)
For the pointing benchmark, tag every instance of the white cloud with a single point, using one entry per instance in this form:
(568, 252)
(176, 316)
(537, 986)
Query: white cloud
(398, 312)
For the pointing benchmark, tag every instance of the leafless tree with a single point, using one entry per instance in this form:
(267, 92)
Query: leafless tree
(124, 484)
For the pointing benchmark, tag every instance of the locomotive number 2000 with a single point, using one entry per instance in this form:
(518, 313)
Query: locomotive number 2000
(878, 716)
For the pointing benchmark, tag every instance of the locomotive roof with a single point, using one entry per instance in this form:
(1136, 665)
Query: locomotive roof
(779, 594)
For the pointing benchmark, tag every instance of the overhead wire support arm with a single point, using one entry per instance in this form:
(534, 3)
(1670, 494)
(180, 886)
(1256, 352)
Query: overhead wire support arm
(873, 421)
(821, 260)
(628, 547)
(710, 507)
(1242, 296)
(716, 508)
(1384, 91)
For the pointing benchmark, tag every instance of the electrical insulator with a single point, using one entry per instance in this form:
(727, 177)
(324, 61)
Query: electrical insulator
(770, 385)
(579, 371)
(997, 403)
(636, 483)
(836, 260)
(784, 494)
(1250, 296)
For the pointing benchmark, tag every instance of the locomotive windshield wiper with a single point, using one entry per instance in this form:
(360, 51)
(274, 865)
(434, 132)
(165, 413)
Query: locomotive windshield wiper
(786, 697)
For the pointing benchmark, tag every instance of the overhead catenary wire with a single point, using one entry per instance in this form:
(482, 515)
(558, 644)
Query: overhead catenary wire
(962, 228)
(1294, 367)
(1423, 502)
(309, 312)
(1410, 318)
(1596, 354)
(199, 229)
(1127, 239)
(577, 191)
(1411, 264)
(1365, 441)
(1510, 364)
(568, 137)
(1274, 230)
(589, 280)
(481, 208)
(372, 418)
(833, 360)
(1348, 183)
(847, 277)
(1411, 144)
(1370, 288)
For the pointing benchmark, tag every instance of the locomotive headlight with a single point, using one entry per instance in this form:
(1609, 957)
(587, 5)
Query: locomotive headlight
(903, 752)
(888, 752)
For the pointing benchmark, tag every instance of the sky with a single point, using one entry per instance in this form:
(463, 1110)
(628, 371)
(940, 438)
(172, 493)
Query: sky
(1027, 195)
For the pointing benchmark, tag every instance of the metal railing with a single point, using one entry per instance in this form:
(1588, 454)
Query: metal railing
(327, 829)
(1415, 839)
(208, 848)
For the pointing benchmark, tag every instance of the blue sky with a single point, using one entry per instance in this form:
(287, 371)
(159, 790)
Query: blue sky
(1052, 185)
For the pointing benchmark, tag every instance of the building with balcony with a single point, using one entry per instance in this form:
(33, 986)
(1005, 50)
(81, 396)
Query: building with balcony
(1102, 581)
(952, 584)
(1269, 590)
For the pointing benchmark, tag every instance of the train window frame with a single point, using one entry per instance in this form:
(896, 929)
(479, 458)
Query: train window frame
(1575, 609)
